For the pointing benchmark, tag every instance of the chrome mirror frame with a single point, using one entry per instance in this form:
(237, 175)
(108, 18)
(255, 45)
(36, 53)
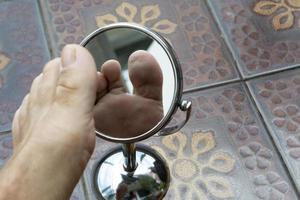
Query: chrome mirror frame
(177, 102)
(130, 164)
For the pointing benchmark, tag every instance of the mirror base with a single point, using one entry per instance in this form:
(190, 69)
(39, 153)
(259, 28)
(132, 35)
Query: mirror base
(150, 180)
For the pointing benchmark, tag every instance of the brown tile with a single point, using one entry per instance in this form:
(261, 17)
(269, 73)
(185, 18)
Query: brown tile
(278, 98)
(23, 52)
(186, 24)
(224, 152)
(263, 35)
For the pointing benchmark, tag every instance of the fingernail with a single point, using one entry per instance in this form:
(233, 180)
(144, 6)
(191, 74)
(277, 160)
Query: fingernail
(68, 55)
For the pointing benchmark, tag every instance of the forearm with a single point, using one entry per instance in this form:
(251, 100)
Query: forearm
(30, 174)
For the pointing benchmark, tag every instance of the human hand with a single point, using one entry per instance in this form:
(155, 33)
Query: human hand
(53, 130)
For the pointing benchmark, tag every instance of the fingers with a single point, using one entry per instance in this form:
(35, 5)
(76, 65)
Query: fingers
(111, 70)
(101, 85)
(78, 78)
(145, 75)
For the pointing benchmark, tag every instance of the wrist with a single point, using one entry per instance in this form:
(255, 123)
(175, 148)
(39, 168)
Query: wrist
(29, 174)
(11, 180)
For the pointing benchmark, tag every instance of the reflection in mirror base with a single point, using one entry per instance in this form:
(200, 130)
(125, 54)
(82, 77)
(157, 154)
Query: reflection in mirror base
(150, 180)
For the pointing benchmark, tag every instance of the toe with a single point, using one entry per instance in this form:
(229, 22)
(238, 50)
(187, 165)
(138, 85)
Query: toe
(77, 83)
(101, 85)
(145, 75)
(111, 70)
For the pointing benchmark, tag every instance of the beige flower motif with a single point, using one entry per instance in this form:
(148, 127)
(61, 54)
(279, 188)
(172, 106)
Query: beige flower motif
(188, 171)
(285, 17)
(4, 61)
(128, 12)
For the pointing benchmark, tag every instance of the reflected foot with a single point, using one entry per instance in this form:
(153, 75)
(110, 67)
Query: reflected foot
(122, 115)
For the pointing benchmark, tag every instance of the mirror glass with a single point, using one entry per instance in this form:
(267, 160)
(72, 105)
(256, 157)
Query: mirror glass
(144, 94)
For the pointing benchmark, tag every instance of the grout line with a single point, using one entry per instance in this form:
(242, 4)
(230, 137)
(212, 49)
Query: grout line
(213, 85)
(255, 104)
(225, 40)
(45, 29)
(235, 57)
(242, 80)
(276, 146)
(5, 133)
(257, 110)
(229, 52)
(84, 186)
(271, 72)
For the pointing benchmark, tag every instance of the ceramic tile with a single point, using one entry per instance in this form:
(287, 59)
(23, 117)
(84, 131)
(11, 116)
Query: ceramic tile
(278, 99)
(224, 152)
(23, 51)
(186, 24)
(263, 35)
(6, 148)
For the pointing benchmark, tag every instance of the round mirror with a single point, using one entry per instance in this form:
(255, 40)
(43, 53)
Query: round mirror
(140, 85)
(144, 81)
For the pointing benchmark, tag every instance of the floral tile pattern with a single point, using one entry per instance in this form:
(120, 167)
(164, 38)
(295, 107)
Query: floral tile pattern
(223, 148)
(195, 163)
(278, 99)
(250, 140)
(22, 54)
(186, 24)
(262, 34)
(281, 20)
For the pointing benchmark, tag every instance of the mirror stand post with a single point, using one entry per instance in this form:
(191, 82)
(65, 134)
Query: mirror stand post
(129, 152)
(132, 172)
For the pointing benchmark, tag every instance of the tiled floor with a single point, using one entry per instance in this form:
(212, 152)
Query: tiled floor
(23, 51)
(5, 148)
(242, 141)
(261, 34)
(278, 98)
(223, 147)
(186, 24)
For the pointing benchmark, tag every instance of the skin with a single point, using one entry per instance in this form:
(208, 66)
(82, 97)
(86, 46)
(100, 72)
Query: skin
(53, 130)
(132, 114)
